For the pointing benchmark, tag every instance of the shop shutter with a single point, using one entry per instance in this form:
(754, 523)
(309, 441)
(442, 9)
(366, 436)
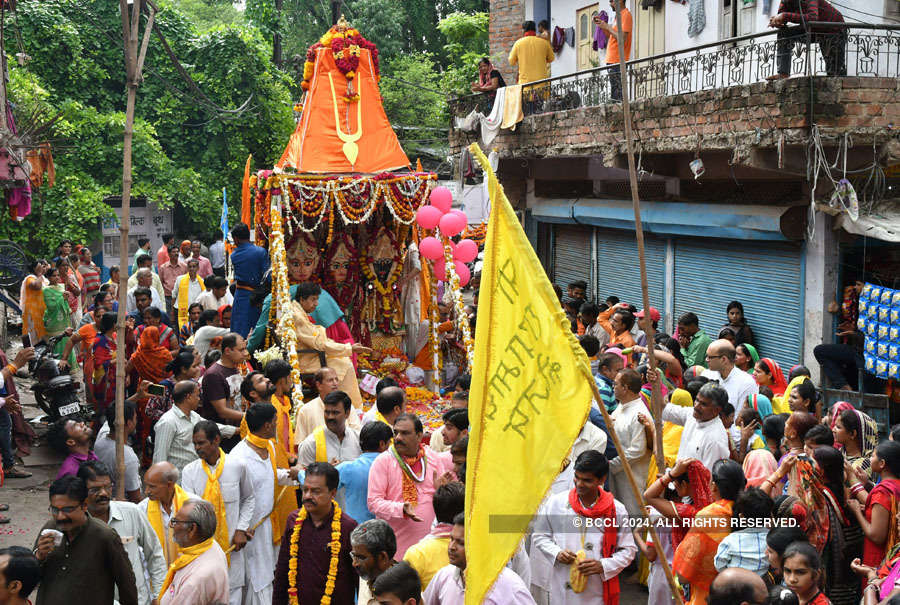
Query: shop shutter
(766, 278)
(619, 269)
(572, 255)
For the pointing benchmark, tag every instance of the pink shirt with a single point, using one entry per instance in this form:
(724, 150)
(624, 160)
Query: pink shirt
(202, 581)
(168, 274)
(205, 269)
(385, 497)
(446, 588)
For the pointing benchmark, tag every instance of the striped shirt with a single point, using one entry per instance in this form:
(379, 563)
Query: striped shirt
(745, 548)
(805, 11)
(174, 437)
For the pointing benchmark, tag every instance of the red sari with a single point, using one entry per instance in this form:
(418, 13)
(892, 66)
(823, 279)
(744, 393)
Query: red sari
(103, 379)
(887, 494)
(149, 361)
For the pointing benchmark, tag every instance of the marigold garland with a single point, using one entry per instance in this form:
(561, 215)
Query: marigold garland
(346, 45)
(293, 563)
(462, 320)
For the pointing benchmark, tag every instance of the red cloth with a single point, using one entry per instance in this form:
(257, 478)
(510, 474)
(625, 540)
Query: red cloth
(887, 494)
(604, 507)
(779, 383)
(701, 497)
(340, 332)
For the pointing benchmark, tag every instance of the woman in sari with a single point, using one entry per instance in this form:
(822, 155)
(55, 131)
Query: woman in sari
(693, 560)
(57, 313)
(103, 354)
(856, 433)
(768, 374)
(225, 316)
(149, 361)
(746, 357)
(184, 366)
(167, 337)
(843, 544)
(761, 404)
(32, 301)
(690, 480)
(885, 579)
(782, 404)
(881, 504)
(758, 466)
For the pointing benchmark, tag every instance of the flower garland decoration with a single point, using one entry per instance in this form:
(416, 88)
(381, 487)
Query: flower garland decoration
(281, 296)
(293, 564)
(456, 292)
(346, 45)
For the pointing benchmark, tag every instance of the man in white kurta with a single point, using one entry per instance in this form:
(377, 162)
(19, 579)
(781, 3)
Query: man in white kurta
(560, 532)
(704, 436)
(261, 553)
(627, 389)
(237, 495)
(341, 442)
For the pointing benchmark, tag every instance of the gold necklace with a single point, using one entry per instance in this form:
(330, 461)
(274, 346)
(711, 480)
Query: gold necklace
(350, 148)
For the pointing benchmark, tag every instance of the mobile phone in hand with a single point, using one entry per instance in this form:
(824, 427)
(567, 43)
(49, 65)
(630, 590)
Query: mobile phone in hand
(157, 390)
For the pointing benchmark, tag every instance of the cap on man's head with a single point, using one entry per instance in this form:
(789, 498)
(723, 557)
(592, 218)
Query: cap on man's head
(654, 314)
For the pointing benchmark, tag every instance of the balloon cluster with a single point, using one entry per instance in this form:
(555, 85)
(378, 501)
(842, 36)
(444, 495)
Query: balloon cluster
(450, 222)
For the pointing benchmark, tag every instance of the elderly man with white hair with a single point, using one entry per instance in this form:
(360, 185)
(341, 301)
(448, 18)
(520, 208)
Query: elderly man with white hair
(164, 499)
(199, 576)
(144, 279)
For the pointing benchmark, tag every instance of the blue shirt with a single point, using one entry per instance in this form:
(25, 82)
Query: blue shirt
(605, 386)
(355, 483)
(250, 263)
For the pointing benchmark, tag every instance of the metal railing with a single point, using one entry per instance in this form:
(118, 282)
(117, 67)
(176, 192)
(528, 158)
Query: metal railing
(831, 49)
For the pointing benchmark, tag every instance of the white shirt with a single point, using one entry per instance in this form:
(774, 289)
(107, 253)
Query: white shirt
(217, 254)
(706, 441)
(156, 300)
(634, 441)
(142, 547)
(240, 503)
(338, 450)
(261, 553)
(175, 437)
(210, 302)
(446, 588)
(155, 283)
(739, 386)
(553, 532)
(204, 336)
(194, 290)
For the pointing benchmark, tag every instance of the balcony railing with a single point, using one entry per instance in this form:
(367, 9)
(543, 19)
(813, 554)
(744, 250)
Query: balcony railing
(842, 49)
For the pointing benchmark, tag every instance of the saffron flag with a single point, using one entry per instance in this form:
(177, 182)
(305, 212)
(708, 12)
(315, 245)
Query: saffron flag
(529, 397)
(246, 205)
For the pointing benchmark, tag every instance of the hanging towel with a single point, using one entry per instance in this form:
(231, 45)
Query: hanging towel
(490, 125)
(570, 36)
(512, 107)
(696, 18)
(600, 37)
(470, 122)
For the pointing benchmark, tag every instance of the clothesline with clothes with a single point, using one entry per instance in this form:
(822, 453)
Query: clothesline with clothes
(505, 113)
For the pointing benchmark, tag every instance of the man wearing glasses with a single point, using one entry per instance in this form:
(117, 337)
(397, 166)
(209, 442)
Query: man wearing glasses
(738, 383)
(82, 559)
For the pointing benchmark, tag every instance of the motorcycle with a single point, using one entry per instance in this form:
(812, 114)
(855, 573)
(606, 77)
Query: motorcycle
(55, 391)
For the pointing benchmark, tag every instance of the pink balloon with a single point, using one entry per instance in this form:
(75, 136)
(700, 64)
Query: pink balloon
(462, 214)
(466, 251)
(442, 199)
(428, 217)
(440, 270)
(431, 248)
(452, 224)
(463, 272)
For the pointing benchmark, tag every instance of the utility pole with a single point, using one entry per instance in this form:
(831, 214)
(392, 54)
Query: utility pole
(335, 11)
(134, 65)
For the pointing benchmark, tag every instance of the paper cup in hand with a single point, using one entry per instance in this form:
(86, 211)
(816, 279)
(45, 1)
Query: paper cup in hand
(57, 535)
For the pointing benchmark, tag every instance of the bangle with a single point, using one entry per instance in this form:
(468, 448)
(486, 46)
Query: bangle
(12, 368)
(856, 488)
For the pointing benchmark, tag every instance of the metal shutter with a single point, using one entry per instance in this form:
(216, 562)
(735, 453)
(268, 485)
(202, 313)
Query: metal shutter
(572, 255)
(766, 278)
(619, 269)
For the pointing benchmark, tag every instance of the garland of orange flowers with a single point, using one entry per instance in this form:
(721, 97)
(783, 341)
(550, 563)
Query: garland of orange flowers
(410, 492)
(293, 564)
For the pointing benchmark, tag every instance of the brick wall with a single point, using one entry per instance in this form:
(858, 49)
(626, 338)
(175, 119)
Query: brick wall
(739, 118)
(506, 21)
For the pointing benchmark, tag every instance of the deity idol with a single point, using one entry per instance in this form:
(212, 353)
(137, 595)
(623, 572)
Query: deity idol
(382, 266)
(343, 281)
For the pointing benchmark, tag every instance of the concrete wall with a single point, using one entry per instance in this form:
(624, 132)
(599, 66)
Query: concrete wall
(820, 287)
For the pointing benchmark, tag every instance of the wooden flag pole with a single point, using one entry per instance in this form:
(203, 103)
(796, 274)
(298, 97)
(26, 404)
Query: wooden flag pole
(638, 493)
(656, 403)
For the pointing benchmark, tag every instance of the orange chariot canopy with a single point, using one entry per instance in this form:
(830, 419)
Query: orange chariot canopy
(363, 141)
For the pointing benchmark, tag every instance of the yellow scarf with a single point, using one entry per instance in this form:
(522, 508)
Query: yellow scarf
(187, 555)
(212, 493)
(282, 409)
(282, 507)
(321, 448)
(154, 516)
(381, 418)
(183, 288)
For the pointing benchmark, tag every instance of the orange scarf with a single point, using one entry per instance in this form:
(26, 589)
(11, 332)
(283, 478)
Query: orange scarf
(694, 557)
(410, 492)
(151, 358)
(604, 507)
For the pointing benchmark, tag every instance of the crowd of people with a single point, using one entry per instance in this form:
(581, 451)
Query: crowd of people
(234, 493)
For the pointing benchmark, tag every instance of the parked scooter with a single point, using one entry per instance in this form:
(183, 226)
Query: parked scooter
(55, 391)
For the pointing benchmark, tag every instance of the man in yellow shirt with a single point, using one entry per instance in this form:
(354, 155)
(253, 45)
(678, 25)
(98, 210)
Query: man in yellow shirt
(532, 54)
(612, 47)
(429, 554)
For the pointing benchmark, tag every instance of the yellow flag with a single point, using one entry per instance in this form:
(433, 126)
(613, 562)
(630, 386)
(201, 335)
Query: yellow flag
(529, 396)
